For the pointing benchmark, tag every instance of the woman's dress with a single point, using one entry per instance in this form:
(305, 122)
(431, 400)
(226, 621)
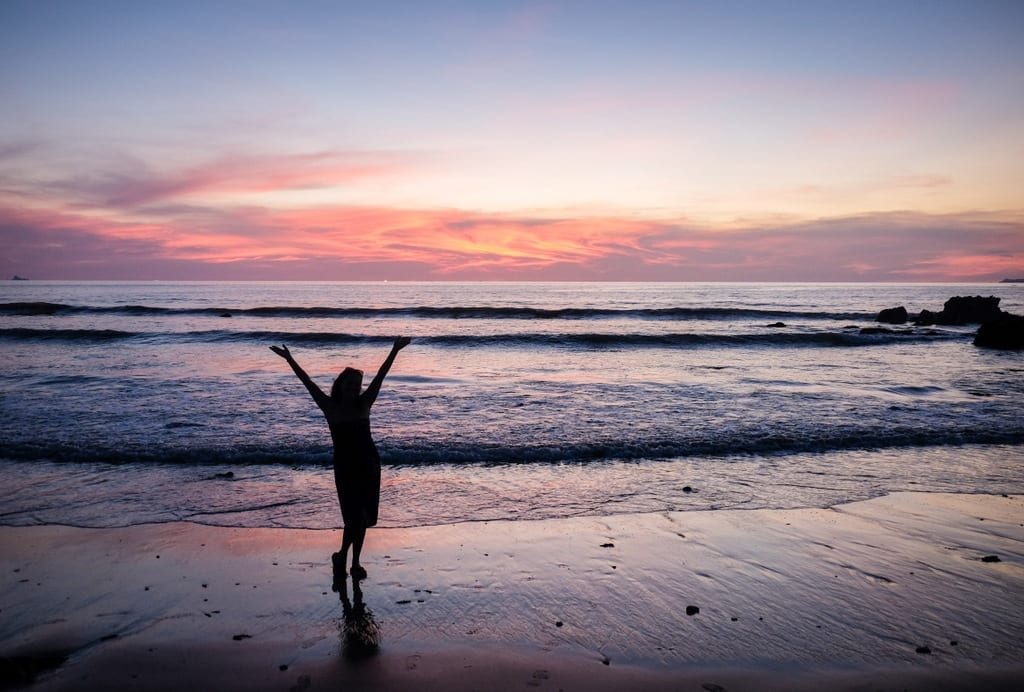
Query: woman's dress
(356, 472)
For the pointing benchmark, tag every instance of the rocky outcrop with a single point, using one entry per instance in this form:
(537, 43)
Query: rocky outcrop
(893, 315)
(1006, 332)
(970, 310)
(960, 310)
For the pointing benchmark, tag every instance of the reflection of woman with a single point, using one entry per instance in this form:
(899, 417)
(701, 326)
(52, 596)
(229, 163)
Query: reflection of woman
(359, 629)
(356, 463)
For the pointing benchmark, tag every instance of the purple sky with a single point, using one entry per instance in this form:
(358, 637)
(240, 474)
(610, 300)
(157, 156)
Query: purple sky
(553, 140)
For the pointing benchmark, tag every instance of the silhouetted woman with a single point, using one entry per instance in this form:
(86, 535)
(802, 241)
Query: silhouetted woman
(356, 463)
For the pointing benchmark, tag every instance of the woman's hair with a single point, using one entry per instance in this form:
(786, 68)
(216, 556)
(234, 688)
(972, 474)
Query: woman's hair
(344, 375)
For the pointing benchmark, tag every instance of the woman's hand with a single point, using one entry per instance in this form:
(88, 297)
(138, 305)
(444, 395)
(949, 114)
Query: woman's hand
(282, 351)
(401, 342)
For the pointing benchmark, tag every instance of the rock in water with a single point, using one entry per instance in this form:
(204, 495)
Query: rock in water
(1006, 332)
(969, 310)
(692, 610)
(893, 315)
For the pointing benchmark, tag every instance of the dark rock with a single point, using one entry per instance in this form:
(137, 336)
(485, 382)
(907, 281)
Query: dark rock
(962, 310)
(1006, 332)
(225, 314)
(893, 315)
(240, 637)
(227, 475)
(692, 610)
(607, 545)
(969, 310)
(776, 324)
(953, 643)
(991, 558)
(687, 489)
(881, 330)
(559, 623)
(923, 650)
(283, 667)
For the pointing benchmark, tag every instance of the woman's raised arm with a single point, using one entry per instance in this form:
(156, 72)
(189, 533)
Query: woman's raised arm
(370, 395)
(318, 395)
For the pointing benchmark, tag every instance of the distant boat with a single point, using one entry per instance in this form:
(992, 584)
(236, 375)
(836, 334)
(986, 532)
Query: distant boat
(18, 278)
(1012, 281)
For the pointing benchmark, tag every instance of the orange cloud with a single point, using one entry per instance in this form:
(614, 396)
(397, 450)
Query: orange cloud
(377, 242)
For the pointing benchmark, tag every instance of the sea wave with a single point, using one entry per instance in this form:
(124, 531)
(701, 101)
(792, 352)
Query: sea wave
(849, 336)
(399, 453)
(24, 334)
(442, 312)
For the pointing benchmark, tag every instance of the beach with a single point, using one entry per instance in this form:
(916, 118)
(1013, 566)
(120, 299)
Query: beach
(655, 346)
(905, 591)
(585, 486)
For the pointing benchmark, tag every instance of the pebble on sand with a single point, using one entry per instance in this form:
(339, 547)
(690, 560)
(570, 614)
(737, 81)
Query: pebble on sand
(692, 610)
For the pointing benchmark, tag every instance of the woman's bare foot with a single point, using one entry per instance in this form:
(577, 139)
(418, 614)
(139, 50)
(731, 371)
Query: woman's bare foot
(338, 563)
(358, 572)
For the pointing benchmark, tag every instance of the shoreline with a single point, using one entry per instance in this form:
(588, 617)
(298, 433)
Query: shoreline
(894, 591)
(107, 495)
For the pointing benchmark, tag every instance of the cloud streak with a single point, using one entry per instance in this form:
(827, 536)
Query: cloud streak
(136, 185)
(230, 216)
(362, 242)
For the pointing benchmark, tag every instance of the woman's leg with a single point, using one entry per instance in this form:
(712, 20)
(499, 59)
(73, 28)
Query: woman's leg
(340, 557)
(358, 535)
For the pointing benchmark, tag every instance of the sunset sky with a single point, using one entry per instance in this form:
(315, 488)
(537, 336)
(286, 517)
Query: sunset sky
(786, 141)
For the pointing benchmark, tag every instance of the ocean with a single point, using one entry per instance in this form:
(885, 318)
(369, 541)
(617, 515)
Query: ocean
(138, 402)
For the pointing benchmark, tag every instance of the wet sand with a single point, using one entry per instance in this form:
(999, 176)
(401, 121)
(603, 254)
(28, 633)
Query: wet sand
(909, 591)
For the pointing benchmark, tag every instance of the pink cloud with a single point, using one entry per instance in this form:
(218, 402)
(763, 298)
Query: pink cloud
(135, 184)
(378, 242)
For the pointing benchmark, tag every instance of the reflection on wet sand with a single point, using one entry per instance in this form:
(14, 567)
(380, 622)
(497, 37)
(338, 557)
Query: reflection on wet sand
(360, 633)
